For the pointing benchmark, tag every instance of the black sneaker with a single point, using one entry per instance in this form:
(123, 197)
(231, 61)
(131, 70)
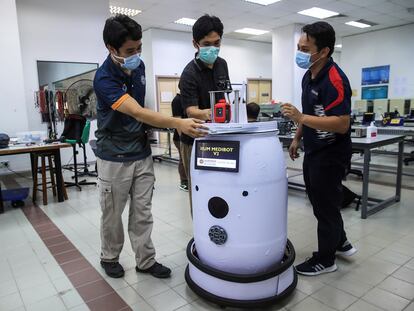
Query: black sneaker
(157, 270)
(113, 269)
(346, 249)
(312, 266)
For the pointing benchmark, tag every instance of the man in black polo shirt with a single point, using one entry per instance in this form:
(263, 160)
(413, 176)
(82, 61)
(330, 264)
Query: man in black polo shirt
(125, 167)
(206, 72)
(325, 128)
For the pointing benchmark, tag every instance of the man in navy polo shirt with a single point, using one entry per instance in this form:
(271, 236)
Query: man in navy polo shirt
(324, 125)
(125, 167)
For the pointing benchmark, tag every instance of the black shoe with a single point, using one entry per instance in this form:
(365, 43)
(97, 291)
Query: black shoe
(157, 270)
(313, 266)
(346, 249)
(113, 269)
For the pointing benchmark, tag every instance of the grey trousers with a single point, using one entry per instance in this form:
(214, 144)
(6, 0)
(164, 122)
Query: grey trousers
(119, 181)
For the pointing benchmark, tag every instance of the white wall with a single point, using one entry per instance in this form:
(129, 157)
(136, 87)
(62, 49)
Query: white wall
(13, 116)
(392, 47)
(336, 55)
(168, 52)
(13, 109)
(56, 30)
(49, 72)
(147, 57)
(287, 76)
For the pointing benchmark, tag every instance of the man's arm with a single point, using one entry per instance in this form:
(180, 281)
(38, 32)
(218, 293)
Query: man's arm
(335, 124)
(191, 127)
(195, 112)
(298, 135)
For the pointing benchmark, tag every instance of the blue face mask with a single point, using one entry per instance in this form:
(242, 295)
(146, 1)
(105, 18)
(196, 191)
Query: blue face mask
(131, 63)
(208, 54)
(303, 60)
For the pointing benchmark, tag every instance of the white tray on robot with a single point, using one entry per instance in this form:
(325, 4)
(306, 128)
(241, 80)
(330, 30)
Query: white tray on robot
(242, 128)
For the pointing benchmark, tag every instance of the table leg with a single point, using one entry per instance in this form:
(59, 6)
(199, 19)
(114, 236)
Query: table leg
(32, 164)
(169, 144)
(59, 177)
(399, 171)
(1, 202)
(365, 182)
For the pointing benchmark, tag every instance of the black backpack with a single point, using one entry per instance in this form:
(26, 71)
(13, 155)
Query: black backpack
(349, 197)
(4, 140)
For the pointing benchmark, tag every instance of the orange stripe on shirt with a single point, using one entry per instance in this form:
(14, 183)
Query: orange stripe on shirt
(120, 101)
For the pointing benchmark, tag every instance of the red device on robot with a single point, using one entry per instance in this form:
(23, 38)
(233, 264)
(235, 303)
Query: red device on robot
(222, 112)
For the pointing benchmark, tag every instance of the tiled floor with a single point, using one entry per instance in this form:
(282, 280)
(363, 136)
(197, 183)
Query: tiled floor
(40, 268)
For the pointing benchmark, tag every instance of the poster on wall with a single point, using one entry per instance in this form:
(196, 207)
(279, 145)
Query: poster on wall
(375, 75)
(374, 92)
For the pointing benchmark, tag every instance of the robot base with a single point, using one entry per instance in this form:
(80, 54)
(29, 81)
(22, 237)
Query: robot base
(241, 291)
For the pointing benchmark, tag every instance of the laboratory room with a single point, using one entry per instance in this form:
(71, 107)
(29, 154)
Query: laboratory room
(160, 155)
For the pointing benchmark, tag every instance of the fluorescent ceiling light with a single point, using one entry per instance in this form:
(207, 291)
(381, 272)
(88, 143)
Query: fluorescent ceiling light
(186, 21)
(338, 46)
(125, 11)
(318, 13)
(263, 2)
(358, 24)
(251, 31)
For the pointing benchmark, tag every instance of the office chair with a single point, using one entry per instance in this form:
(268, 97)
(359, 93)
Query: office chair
(93, 145)
(76, 132)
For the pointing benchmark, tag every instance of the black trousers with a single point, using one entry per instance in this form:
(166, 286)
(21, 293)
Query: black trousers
(323, 173)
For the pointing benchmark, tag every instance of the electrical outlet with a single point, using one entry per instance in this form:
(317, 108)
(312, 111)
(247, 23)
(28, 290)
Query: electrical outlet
(4, 164)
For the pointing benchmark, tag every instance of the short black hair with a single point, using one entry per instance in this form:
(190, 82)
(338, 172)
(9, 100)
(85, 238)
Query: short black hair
(206, 24)
(253, 110)
(323, 33)
(120, 28)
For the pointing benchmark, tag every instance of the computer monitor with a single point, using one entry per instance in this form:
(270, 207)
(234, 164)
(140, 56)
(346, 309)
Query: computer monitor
(368, 118)
(399, 105)
(390, 115)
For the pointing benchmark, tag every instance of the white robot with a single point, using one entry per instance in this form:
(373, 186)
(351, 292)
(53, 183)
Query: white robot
(240, 255)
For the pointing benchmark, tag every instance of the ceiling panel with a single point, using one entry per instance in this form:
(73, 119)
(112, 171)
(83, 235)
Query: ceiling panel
(341, 6)
(272, 12)
(387, 20)
(237, 14)
(387, 8)
(404, 3)
(365, 3)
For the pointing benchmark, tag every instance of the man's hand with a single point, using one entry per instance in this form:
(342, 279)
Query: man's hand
(192, 127)
(206, 114)
(291, 112)
(195, 112)
(293, 149)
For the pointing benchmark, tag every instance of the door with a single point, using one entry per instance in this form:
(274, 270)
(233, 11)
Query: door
(167, 88)
(265, 91)
(259, 90)
(253, 91)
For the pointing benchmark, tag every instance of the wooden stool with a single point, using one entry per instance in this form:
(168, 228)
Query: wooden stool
(43, 170)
